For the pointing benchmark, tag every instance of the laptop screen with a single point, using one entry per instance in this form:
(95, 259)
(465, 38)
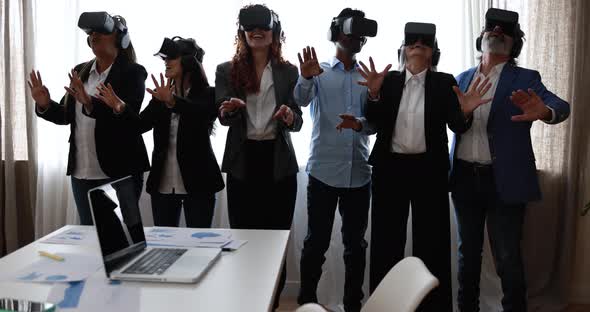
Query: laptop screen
(117, 219)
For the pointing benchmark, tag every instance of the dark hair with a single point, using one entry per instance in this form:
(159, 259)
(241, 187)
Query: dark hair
(129, 52)
(198, 78)
(348, 12)
(243, 73)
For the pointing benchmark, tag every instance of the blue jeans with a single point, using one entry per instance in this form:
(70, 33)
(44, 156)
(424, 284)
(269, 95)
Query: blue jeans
(80, 188)
(198, 209)
(476, 201)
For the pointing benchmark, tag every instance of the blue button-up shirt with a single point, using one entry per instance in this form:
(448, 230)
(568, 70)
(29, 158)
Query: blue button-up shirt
(339, 159)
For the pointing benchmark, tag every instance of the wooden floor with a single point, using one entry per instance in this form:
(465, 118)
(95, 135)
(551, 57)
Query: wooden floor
(290, 305)
(579, 308)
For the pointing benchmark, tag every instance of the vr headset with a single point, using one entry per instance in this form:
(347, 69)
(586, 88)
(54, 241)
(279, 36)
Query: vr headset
(508, 22)
(424, 32)
(359, 27)
(178, 46)
(261, 17)
(102, 22)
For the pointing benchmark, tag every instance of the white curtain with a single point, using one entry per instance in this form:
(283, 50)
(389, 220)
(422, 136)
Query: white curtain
(17, 139)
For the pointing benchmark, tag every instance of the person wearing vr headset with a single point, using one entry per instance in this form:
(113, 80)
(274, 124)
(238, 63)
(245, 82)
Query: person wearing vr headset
(337, 168)
(494, 175)
(255, 93)
(101, 101)
(411, 109)
(182, 113)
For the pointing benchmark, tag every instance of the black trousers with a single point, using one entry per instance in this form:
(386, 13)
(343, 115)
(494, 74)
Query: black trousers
(476, 204)
(353, 204)
(198, 209)
(398, 182)
(260, 202)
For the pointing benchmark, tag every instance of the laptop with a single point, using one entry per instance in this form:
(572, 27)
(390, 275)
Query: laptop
(125, 253)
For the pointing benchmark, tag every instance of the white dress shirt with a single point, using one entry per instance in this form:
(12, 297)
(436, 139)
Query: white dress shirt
(409, 135)
(171, 181)
(474, 145)
(260, 107)
(87, 166)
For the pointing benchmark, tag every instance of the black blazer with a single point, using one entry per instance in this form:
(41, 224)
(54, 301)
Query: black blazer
(285, 162)
(119, 146)
(198, 165)
(441, 107)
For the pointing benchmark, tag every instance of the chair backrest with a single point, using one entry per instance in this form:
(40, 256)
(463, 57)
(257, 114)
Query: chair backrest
(310, 307)
(403, 288)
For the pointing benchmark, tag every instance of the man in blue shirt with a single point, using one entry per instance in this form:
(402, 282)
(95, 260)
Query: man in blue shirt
(338, 167)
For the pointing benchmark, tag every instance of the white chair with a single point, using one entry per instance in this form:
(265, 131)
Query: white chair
(311, 307)
(403, 288)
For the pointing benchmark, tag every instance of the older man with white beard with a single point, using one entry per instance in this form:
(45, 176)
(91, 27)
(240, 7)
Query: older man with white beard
(494, 175)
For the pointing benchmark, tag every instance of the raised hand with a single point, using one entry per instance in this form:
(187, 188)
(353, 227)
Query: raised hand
(109, 97)
(231, 105)
(284, 114)
(474, 97)
(373, 79)
(163, 91)
(531, 105)
(38, 90)
(76, 89)
(309, 65)
(349, 122)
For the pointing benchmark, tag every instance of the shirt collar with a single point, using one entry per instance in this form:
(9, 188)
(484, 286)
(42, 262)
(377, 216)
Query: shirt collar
(420, 76)
(104, 73)
(336, 62)
(496, 70)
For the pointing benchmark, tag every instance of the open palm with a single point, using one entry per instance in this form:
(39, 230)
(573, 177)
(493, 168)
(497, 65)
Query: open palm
(473, 98)
(373, 78)
(309, 65)
(38, 90)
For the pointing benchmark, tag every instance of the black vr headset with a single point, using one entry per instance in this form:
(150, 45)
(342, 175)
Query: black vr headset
(508, 22)
(359, 27)
(261, 17)
(187, 49)
(424, 32)
(102, 22)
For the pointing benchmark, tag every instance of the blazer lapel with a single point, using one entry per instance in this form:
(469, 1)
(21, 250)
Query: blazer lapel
(114, 77)
(397, 96)
(277, 83)
(464, 83)
(428, 89)
(503, 90)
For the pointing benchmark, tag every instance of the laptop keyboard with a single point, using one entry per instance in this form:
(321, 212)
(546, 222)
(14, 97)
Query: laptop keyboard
(155, 261)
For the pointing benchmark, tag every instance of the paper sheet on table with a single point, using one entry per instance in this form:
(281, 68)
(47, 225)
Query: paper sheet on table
(96, 294)
(186, 237)
(80, 236)
(234, 245)
(75, 267)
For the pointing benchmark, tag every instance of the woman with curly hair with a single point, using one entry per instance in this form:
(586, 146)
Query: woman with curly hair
(255, 93)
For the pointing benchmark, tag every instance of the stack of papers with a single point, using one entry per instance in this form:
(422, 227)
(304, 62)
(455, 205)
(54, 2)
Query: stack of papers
(187, 237)
(80, 236)
(74, 267)
(96, 294)
(158, 236)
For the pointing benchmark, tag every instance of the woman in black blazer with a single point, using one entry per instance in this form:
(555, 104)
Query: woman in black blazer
(102, 100)
(185, 172)
(411, 110)
(255, 90)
